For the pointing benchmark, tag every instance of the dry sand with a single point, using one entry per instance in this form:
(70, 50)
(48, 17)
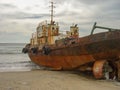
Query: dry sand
(53, 80)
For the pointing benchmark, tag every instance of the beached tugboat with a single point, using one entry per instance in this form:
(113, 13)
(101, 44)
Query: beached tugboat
(98, 53)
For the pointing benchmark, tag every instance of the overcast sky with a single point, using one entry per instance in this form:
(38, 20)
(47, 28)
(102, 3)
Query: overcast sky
(19, 18)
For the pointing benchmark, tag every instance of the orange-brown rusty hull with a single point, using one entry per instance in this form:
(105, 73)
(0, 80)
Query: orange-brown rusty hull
(61, 62)
(86, 50)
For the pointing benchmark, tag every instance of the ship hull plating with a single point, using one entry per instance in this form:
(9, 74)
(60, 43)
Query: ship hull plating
(86, 50)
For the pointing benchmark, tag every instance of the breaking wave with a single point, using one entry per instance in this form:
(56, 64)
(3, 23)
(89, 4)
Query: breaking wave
(12, 58)
(18, 66)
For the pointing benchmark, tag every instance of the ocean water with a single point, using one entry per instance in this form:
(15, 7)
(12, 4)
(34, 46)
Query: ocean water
(12, 58)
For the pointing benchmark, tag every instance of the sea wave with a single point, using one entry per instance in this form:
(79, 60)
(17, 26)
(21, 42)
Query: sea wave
(18, 66)
(11, 53)
(11, 48)
(12, 58)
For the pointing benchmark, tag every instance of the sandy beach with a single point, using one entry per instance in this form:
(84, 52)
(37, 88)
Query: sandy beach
(53, 80)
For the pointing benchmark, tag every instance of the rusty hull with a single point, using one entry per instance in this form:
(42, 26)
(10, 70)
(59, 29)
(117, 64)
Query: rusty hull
(83, 51)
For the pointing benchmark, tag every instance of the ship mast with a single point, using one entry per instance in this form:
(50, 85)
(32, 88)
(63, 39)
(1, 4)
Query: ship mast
(52, 6)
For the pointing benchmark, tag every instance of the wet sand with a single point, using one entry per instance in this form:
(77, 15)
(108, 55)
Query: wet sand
(53, 80)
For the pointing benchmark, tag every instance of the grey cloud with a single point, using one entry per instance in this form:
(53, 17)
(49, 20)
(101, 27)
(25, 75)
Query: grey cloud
(37, 5)
(13, 12)
(68, 13)
(105, 12)
(95, 2)
(13, 37)
(22, 15)
(28, 8)
(109, 12)
(85, 2)
(3, 6)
